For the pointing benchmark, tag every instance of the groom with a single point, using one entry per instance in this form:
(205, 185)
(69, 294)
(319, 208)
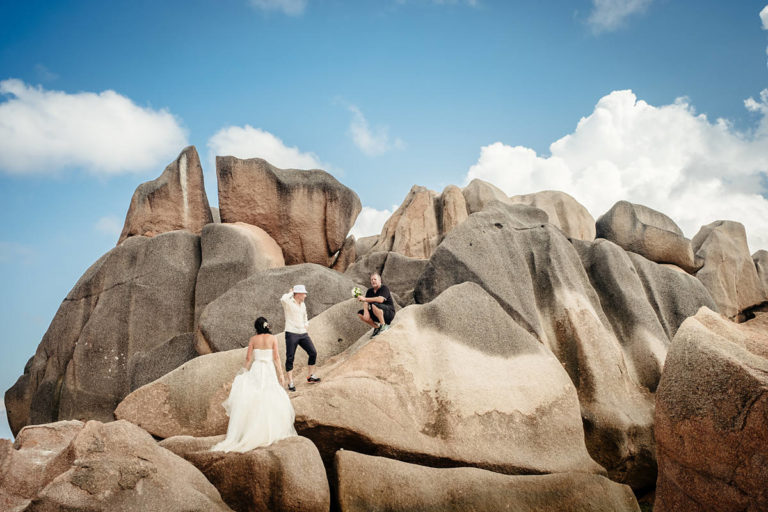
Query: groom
(296, 325)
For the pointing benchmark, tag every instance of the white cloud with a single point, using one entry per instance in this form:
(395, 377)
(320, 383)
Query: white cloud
(43, 131)
(764, 17)
(250, 142)
(668, 158)
(289, 7)
(109, 225)
(370, 221)
(609, 15)
(372, 142)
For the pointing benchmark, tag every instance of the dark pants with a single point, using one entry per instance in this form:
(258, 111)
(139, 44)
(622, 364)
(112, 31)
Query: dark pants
(389, 312)
(293, 340)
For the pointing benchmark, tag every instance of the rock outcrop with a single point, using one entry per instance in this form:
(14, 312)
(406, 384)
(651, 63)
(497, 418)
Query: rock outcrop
(187, 401)
(227, 322)
(285, 476)
(537, 276)
(649, 233)
(96, 466)
(443, 389)
(308, 213)
(563, 211)
(712, 417)
(176, 200)
(728, 272)
(479, 193)
(346, 255)
(376, 483)
(133, 299)
(421, 222)
(761, 265)
(231, 253)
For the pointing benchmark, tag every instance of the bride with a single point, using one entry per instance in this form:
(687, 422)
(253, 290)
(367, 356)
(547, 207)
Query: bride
(258, 407)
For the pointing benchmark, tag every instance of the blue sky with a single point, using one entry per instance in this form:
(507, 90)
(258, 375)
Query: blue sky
(654, 101)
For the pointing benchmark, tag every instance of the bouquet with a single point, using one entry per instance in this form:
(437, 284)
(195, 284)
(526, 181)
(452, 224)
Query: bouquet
(356, 292)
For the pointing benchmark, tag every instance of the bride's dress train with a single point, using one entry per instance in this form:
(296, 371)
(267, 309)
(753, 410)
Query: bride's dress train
(258, 407)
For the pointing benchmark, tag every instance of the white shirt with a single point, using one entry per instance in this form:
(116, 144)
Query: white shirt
(295, 314)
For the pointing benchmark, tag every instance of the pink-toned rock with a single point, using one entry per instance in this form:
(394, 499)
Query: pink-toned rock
(346, 255)
(563, 211)
(761, 265)
(729, 272)
(712, 417)
(175, 200)
(479, 193)
(39, 454)
(308, 213)
(376, 483)
(421, 222)
(285, 476)
(114, 466)
(649, 233)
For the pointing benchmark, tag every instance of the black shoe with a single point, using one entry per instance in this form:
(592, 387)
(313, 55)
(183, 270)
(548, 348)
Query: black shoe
(291, 387)
(312, 379)
(376, 331)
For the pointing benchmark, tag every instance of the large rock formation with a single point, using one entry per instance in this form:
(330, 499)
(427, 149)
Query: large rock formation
(645, 231)
(95, 466)
(712, 417)
(176, 200)
(761, 265)
(479, 193)
(442, 387)
(133, 299)
(421, 222)
(227, 322)
(187, 401)
(644, 302)
(285, 476)
(728, 272)
(563, 211)
(308, 213)
(376, 483)
(231, 253)
(536, 275)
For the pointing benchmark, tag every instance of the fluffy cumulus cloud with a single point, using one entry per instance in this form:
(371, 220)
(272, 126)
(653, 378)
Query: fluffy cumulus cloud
(371, 141)
(250, 142)
(609, 15)
(764, 17)
(289, 7)
(370, 221)
(106, 133)
(669, 158)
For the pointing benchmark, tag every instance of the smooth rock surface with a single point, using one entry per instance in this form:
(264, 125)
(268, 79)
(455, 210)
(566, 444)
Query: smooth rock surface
(431, 390)
(712, 417)
(647, 232)
(285, 476)
(761, 265)
(479, 193)
(563, 211)
(132, 300)
(537, 277)
(363, 245)
(231, 253)
(188, 400)
(368, 483)
(729, 272)
(308, 213)
(346, 255)
(176, 200)
(227, 322)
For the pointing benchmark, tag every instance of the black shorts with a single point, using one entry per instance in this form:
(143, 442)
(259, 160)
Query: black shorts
(389, 312)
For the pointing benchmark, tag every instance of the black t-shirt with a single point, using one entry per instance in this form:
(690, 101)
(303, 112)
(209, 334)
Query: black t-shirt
(383, 291)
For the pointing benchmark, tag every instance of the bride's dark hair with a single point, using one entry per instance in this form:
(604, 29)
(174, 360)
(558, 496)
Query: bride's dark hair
(262, 326)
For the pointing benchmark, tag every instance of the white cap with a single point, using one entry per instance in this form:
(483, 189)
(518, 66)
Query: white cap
(299, 288)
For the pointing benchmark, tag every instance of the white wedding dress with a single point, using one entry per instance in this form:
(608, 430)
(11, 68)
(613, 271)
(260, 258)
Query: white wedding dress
(258, 407)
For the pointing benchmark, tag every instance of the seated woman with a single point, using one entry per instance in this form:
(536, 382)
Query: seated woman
(258, 406)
